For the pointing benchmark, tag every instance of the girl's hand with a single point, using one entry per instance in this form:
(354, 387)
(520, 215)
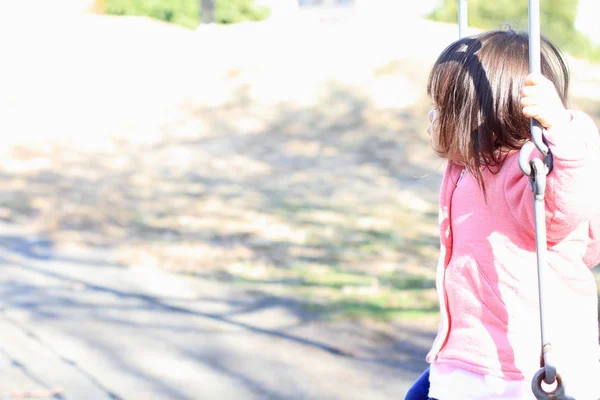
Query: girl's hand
(540, 100)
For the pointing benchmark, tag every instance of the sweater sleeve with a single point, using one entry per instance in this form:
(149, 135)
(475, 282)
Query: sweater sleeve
(570, 186)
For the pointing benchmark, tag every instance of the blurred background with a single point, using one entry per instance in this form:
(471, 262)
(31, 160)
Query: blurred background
(219, 199)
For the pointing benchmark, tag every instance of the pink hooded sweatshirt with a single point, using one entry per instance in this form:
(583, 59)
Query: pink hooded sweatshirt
(487, 271)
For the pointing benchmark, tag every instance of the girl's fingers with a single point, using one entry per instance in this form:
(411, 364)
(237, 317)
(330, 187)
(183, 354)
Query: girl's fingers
(535, 79)
(534, 91)
(531, 111)
(528, 90)
(539, 100)
(529, 101)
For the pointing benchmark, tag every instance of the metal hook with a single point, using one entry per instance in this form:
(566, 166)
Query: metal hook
(537, 136)
(525, 158)
(524, 155)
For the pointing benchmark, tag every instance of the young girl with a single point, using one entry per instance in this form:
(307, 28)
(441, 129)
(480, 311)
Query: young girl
(488, 344)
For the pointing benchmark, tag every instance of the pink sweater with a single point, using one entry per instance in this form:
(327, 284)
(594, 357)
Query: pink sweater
(487, 271)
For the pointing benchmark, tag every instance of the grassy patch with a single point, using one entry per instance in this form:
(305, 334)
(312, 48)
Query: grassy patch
(366, 310)
(332, 293)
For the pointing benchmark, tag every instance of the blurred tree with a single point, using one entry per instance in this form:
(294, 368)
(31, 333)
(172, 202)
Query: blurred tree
(233, 11)
(189, 13)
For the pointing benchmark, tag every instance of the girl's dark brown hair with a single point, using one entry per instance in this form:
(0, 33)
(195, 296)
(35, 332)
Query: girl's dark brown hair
(475, 85)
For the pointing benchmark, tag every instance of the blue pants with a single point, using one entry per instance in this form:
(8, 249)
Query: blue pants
(419, 389)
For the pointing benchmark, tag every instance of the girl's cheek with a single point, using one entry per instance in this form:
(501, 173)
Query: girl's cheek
(432, 115)
(432, 128)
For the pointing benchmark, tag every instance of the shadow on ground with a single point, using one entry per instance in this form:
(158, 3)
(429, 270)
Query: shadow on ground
(88, 325)
(338, 191)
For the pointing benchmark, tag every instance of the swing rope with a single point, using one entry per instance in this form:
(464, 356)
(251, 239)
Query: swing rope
(537, 169)
(463, 18)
